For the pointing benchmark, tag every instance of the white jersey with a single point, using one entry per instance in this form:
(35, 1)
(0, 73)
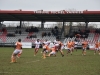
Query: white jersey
(51, 45)
(37, 44)
(46, 43)
(56, 43)
(76, 43)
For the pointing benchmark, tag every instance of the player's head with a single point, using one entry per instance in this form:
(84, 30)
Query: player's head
(37, 40)
(19, 40)
(43, 44)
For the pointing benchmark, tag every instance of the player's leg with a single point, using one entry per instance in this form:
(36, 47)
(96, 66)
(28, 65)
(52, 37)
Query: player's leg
(60, 49)
(56, 47)
(95, 51)
(44, 53)
(76, 48)
(54, 53)
(13, 57)
(20, 53)
(71, 51)
(68, 51)
(83, 51)
(61, 52)
(51, 53)
(36, 51)
(99, 51)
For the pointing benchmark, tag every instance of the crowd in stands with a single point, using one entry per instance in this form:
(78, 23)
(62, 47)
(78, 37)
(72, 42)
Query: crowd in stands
(18, 32)
(3, 30)
(31, 36)
(82, 33)
(97, 31)
(32, 29)
(55, 31)
(10, 35)
(79, 34)
(44, 34)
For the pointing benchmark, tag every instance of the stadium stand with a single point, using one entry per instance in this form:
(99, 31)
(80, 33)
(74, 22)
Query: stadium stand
(91, 35)
(11, 35)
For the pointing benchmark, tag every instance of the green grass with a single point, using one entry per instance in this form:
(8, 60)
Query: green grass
(29, 64)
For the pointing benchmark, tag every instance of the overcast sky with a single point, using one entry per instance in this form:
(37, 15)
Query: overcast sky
(50, 4)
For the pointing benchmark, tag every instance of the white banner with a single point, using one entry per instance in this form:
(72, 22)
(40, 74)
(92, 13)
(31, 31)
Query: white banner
(91, 46)
(26, 45)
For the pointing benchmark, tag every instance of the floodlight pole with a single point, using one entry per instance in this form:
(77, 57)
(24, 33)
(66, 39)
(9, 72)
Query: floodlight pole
(20, 24)
(63, 27)
(86, 25)
(42, 24)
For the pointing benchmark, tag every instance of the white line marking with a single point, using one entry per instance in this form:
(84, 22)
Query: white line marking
(33, 61)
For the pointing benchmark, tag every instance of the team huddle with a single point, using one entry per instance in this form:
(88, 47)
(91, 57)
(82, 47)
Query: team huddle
(51, 49)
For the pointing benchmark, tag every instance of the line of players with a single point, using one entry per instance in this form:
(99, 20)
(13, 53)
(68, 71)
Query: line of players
(53, 48)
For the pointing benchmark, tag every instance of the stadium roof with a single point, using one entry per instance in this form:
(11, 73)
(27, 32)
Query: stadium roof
(50, 16)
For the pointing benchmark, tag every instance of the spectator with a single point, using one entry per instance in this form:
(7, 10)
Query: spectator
(16, 32)
(20, 32)
(45, 34)
(49, 34)
(42, 34)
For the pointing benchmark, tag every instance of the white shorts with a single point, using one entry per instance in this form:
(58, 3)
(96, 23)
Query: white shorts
(56, 45)
(84, 48)
(65, 47)
(52, 52)
(46, 51)
(69, 48)
(62, 47)
(16, 51)
(72, 48)
(97, 49)
(21, 51)
(37, 46)
(75, 46)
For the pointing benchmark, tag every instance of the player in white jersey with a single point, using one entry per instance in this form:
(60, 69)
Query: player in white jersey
(56, 43)
(76, 43)
(46, 42)
(37, 46)
(58, 46)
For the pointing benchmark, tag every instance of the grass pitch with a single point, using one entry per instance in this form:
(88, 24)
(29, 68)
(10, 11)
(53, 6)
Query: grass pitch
(29, 64)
